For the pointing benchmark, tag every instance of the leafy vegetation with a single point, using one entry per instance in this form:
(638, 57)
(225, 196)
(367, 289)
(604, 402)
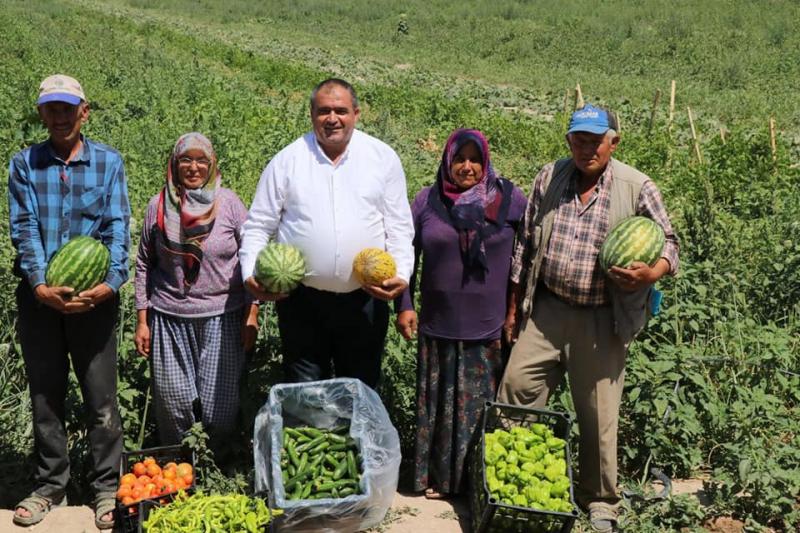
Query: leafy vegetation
(713, 386)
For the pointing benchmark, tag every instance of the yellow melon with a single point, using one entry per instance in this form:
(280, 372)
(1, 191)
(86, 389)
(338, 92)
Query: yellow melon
(373, 266)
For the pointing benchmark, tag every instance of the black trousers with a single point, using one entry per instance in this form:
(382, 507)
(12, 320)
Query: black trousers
(320, 329)
(47, 337)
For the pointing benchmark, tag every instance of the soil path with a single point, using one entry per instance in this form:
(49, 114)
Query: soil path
(410, 513)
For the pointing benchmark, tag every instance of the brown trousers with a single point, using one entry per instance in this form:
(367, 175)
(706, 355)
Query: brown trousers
(581, 341)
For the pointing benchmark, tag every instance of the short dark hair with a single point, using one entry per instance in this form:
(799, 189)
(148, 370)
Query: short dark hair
(334, 81)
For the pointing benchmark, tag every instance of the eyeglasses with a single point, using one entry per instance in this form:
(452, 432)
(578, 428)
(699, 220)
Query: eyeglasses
(187, 161)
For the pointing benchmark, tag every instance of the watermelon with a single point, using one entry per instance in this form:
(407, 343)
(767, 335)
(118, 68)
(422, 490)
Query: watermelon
(280, 267)
(373, 266)
(82, 263)
(633, 239)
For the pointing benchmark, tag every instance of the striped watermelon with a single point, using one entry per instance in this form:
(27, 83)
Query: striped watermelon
(81, 264)
(280, 267)
(633, 239)
(373, 266)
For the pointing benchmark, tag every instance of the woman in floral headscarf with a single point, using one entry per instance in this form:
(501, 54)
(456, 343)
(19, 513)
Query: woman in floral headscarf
(194, 316)
(465, 225)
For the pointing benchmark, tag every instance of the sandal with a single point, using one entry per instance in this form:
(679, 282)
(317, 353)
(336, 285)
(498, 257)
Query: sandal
(431, 494)
(38, 506)
(104, 503)
(602, 517)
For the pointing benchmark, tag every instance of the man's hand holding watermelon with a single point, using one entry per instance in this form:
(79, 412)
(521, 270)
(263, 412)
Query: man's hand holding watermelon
(64, 300)
(638, 275)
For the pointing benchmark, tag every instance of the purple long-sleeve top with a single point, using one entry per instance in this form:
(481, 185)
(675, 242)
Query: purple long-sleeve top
(455, 305)
(218, 289)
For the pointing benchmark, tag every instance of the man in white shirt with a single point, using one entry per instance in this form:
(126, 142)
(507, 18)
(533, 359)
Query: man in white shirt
(332, 193)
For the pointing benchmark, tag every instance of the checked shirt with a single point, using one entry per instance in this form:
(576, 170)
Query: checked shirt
(51, 202)
(570, 268)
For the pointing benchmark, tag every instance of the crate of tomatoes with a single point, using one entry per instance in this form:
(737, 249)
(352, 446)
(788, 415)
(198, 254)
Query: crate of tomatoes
(150, 478)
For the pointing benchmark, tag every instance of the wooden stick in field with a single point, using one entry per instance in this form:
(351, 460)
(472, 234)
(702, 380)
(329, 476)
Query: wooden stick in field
(579, 103)
(772, 144)
(694, 136)
(671, 106)
(653, 111)
(566, 102)
(722, 135)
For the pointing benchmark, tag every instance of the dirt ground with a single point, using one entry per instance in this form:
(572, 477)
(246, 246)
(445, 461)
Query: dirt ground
(410, 513)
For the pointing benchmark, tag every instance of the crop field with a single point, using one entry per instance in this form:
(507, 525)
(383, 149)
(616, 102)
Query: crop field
(713, 385)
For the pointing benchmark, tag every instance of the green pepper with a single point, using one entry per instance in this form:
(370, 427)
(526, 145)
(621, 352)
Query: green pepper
(559, 488)
(508, 490)
(512, 458)
(494, 485)
(520, 500)
(539, 429)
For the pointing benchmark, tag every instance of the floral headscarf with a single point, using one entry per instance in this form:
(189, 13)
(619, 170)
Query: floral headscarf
(477, 212)
(186, 216)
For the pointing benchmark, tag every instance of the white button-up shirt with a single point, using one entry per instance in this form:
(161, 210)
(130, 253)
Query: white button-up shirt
(332, 212)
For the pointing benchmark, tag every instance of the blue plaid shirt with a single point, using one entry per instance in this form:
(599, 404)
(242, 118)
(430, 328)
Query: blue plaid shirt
(50, 202)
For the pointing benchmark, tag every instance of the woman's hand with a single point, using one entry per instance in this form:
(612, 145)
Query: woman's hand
(406, 324)
(250, 327)
(142, 339)
(509, 327)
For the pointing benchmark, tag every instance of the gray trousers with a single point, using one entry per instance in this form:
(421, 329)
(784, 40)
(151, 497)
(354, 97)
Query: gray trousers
(49, 341)
(580, 341)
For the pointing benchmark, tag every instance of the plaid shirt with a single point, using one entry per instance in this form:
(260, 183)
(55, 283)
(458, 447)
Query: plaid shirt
(50, 202)
(570, 268)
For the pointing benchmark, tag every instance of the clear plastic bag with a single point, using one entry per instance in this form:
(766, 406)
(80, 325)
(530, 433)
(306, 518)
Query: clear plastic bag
(324, 405)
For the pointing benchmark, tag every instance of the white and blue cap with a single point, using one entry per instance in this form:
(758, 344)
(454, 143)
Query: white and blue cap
(60, 88)
(593, 119)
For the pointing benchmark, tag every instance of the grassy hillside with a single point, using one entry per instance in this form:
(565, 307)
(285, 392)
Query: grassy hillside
(733, 59)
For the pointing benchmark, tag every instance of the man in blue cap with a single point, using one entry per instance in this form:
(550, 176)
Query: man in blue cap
(582, 318)
(65, 187)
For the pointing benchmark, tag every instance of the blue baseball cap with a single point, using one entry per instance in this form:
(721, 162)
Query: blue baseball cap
(593, 119)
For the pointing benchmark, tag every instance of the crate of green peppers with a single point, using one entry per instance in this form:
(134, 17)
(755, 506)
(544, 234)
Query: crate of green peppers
(328, 454)
(521, 475)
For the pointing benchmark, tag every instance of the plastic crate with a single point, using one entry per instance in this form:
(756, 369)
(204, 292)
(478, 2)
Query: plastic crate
(130, 517)
(490, 515)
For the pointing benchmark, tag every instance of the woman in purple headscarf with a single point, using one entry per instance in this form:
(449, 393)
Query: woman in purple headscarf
(194, 318)
(465, 225)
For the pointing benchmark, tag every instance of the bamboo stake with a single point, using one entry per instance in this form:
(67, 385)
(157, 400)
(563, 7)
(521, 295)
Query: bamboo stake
(579, 103)
(694, 136)
(772, 144)
(671, 106)
(653, 111)
(722, 135)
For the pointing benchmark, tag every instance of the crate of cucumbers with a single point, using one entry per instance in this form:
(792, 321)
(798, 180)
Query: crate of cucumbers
(521, 475)
(328, 454)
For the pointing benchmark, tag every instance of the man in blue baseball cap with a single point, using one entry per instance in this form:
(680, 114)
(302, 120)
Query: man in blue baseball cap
(65, 187)
(582, 318)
